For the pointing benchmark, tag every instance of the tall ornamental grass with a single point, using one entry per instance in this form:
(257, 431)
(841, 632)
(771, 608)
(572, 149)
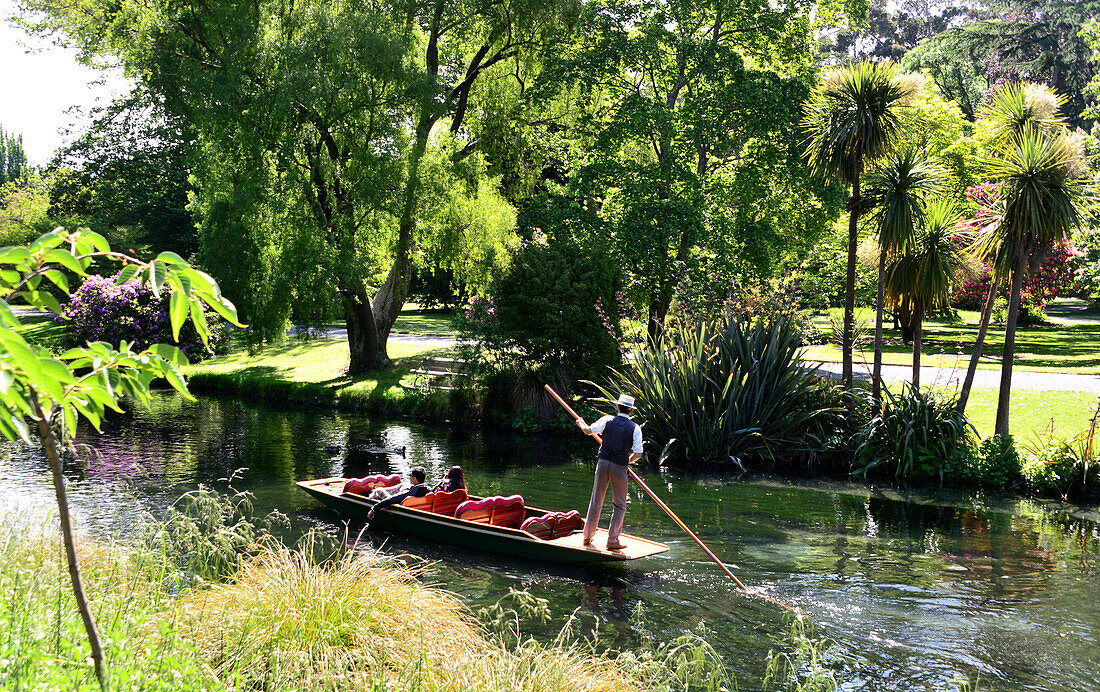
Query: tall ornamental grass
(729, 389)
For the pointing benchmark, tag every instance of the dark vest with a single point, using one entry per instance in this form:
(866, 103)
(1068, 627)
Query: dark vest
(618, 438)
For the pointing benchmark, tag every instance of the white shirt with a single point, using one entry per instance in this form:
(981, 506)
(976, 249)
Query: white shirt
(636, 447)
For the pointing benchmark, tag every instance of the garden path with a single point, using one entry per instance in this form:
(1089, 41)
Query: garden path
(985, 379)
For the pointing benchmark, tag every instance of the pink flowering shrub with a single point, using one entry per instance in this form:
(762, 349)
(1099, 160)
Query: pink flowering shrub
(102, 310)
(1053, 277)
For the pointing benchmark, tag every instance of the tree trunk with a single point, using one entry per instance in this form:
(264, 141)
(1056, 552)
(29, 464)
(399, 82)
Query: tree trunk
(918, 317)
(49, 443)
(366, 348)
(1005, 394)
(850, 281)
(983, 327)
(876, 377)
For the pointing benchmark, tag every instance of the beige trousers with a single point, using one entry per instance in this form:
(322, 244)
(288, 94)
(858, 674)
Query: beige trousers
(615, 474)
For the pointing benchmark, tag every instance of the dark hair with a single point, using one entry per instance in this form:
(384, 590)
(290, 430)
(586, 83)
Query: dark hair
(624, 408)
(452, 482)
(418, 472)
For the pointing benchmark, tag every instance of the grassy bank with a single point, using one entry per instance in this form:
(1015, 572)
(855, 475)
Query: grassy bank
(1033, 412)
(312, 371)
(1068, 345)
(283, 622)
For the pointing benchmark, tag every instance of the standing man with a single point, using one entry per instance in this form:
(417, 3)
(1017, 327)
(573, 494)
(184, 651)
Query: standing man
(622, 445)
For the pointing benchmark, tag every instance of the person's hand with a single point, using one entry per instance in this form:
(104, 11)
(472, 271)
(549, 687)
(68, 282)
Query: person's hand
(584, 426)
(370, 514)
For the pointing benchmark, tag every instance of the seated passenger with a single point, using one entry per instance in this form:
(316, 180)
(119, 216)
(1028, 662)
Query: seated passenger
(417, 489)
(383, 493)
(454, 481)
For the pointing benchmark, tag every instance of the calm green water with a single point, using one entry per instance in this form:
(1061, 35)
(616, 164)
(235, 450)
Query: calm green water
(915, 591)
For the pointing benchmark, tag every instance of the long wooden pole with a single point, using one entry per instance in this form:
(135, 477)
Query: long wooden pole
(672, 515)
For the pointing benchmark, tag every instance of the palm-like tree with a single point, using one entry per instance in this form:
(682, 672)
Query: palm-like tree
(919, 279)
(1041, 202)
(850, 121)
(1014, 110)
(898, 189)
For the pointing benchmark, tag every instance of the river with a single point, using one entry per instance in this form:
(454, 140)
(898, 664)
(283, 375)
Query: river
(914, 590)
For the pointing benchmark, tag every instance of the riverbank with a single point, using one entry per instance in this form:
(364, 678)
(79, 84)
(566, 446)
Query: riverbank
(282, 622)
(315, 372)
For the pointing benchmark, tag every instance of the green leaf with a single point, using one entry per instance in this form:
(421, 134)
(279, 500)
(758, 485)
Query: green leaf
(44, 300)
(178, 312)
(14, 255)
(10, 278)
(7, 317)
(58, 278)
(176, 380)
(158, 273)
(128, 273)
(169, 353)
(199, 318)
(65, 259)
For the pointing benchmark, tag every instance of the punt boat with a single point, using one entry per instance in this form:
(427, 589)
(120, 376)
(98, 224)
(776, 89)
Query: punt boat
(479, 531)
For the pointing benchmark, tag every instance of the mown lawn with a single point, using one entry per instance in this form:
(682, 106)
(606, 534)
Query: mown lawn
(309, 370)
(1033, 412)
(1070, 345)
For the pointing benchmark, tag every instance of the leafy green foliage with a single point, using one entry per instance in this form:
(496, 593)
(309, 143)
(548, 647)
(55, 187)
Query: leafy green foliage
(995, 463)
(727, 389)
(1065, 467)
(127, 177)
(86, 380)
(556, 303)
(13, 160)
(913, 437)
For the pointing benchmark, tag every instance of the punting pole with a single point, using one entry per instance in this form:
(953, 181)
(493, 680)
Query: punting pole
(672, 515)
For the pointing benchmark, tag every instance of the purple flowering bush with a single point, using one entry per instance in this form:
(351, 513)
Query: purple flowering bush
(102, 310)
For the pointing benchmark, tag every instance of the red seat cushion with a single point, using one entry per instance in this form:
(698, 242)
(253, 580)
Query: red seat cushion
(479, 511)
(567, 523)
(540, 527)
(423, 503)
(363, 486)
(508, 512)
(447, 503)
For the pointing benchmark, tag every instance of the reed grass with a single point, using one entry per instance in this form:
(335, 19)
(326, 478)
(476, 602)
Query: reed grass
(284, 621)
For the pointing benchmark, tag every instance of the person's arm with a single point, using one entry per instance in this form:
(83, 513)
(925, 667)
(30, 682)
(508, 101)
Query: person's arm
(596, 427)
(636, 445)
(419, 490)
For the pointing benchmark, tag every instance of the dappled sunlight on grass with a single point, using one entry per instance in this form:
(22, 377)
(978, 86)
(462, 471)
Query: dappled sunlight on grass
(1071, 348)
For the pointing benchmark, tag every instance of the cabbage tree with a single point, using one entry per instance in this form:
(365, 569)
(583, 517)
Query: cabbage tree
(919, 280)
(898, 188)
(851, 121)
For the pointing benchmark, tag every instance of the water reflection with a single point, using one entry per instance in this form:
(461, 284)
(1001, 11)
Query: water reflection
(915, 590)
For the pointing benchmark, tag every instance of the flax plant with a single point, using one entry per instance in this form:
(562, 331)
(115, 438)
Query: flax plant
(849, 122)
(726, 389)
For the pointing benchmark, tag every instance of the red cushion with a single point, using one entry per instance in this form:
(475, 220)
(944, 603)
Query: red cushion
(479, 511)
(540, 527)
(423, 503)
(447, 503)
(362, 486)
(567, 523)
(508, 511)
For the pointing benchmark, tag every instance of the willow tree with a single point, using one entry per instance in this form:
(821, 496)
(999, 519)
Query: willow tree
(318, 126)
(850, 121)
(898, 188)
(919, 280)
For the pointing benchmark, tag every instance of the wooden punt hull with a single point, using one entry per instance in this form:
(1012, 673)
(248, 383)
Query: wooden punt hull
(444, 529)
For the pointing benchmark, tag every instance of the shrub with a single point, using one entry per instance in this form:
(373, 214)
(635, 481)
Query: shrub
(103, 310)
(914, 437)
(995, 463)
(728, 389)
(555, 304)
(1065, 467)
